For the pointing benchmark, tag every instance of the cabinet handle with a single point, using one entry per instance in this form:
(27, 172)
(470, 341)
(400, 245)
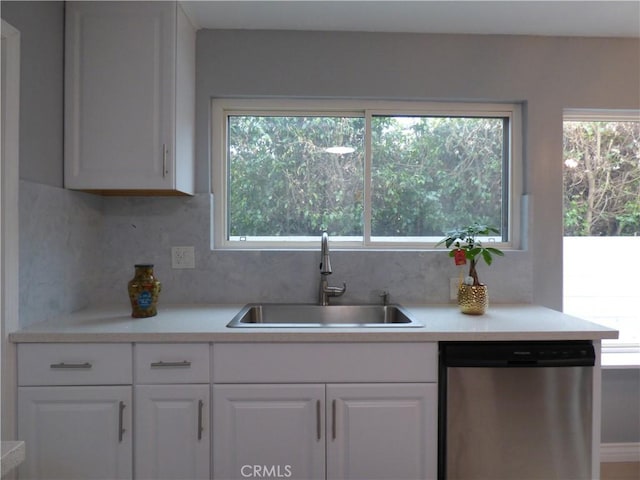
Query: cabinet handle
(333, 419)
(161, 364)
(121, 428)
(62, 366)
(164, 160)
(200, 426)
(318, 420)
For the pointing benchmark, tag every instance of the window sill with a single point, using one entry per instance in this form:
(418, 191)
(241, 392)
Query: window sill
(620, 360)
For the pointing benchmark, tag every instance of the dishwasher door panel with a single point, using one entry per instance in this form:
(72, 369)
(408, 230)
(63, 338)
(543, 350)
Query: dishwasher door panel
(519, 423)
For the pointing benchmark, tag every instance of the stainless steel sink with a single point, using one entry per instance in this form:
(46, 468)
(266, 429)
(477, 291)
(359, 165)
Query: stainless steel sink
(295, 315)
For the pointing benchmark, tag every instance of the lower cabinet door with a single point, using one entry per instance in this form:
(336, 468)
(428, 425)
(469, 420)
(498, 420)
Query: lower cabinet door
(172, 438)
(269, 431)
(75, 432)
(382, 431)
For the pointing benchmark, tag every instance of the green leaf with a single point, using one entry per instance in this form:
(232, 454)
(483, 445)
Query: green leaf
(487, 257)
(473, 253)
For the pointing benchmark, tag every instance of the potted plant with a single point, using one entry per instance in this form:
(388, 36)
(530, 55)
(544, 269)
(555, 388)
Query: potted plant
(465, 246)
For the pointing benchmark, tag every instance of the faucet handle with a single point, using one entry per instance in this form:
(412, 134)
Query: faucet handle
(335, 291)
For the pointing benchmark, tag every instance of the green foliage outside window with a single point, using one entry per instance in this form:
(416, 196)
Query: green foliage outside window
(428, 174)
(601, 178)
(282, 181)
(434, 173)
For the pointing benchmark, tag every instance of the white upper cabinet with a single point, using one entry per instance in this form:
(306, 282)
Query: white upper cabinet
(129, 98)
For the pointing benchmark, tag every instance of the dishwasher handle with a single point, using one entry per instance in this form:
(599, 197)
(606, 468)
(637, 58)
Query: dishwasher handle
(518, 354)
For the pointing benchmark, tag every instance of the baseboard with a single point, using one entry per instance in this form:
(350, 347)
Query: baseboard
(619, 452)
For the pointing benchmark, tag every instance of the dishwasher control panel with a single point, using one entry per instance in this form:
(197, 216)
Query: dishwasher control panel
(514, 354)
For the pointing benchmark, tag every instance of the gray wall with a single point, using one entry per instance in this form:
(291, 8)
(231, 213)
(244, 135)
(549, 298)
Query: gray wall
(41, 25)
(546, 74)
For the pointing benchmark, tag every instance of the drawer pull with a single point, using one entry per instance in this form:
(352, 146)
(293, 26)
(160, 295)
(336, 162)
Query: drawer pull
(63, 366)
(183, 364)
(121, 428)
(200, 426)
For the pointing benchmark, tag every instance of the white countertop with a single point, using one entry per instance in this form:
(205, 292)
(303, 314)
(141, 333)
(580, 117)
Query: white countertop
(207, 323)
(12, 455)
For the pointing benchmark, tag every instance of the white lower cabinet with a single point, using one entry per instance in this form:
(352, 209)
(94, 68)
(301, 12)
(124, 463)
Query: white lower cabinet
(359, 431)
(315, 411)
(85, 415)
(382, 431)
(75, 411)
(306, 411)
(268, 431)
(171, 426)
(171, 432)
(78, 432)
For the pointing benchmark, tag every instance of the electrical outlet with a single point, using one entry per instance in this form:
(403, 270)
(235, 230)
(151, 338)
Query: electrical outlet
(183, 257)
(454, 283)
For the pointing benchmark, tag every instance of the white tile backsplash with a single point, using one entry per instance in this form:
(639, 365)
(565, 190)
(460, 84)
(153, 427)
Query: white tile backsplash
(60, 261)
(80, 249)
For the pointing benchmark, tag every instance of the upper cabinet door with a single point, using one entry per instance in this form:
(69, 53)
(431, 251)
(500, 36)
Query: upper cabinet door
(121, 96)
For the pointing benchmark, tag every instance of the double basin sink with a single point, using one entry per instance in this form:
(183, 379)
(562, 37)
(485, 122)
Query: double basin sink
(295, 315)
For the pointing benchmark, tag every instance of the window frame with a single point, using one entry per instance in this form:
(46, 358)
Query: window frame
(221, 108)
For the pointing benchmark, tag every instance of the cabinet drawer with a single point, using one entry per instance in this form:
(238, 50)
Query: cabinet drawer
(324, 362)
(172, 363)
(74, 364)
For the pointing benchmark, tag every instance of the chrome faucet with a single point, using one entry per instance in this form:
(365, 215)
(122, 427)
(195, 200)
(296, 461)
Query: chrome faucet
(327, 291)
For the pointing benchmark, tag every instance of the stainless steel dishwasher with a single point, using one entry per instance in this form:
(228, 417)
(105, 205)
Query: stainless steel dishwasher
(515, 410)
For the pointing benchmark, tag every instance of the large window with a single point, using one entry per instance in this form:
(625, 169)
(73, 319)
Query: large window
(602, 220)
(374, 174)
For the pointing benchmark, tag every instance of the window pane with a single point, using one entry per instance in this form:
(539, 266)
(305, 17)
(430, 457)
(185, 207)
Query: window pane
(292, 176)
(602, 223)
(432, 174)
